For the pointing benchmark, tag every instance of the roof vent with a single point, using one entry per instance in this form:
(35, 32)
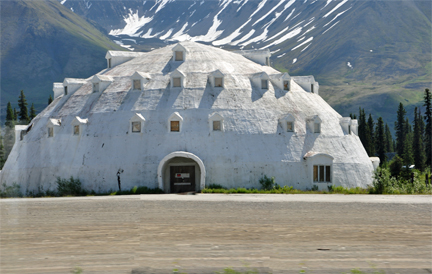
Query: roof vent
(260, 56)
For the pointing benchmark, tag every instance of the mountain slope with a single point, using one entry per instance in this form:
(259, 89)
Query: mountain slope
(365, 53)
(43, 42)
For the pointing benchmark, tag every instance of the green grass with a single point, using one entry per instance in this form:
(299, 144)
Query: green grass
(287, 190)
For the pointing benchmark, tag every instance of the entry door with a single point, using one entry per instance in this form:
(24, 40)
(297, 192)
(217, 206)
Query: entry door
(182, 178)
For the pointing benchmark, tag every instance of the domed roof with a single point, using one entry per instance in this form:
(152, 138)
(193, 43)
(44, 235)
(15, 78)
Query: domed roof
(241, 88)
(227, 113)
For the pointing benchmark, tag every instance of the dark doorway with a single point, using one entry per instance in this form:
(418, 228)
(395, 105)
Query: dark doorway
(182, 179)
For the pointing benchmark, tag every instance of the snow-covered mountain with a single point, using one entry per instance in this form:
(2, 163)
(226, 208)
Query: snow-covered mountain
(240, 23)
(372, 54)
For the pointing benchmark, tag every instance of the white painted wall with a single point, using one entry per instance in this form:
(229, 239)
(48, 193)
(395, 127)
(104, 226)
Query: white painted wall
(252, 144)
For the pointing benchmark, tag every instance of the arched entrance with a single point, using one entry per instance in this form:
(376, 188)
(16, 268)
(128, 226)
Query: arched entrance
(181, 171)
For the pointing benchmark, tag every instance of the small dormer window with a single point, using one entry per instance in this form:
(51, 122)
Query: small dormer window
(312, 88)
(217, 126)
(109, 63)
(290, 126)
(136, 123)
(286, 85)
(216, 122)
(175, 126)
(50, 132)
(95, 87)
(264, 84)
(176, 82)
(65, 90)
(218, 82)
(136, 127)
(76, 130)
(136, 84)
(317, 127)
(179, 56)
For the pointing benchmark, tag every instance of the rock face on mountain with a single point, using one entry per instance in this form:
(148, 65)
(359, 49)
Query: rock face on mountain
(372, 54)
(42, 42)
(186, 116)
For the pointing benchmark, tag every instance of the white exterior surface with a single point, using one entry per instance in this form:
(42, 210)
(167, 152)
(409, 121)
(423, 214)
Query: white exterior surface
(252, 143)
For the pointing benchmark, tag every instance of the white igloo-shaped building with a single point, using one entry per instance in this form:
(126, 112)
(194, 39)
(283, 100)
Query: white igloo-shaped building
(186, 116)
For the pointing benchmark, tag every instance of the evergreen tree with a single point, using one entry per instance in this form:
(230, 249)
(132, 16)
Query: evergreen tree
(2, 152)
(23, 111)
(371, 137)
(407, 154)
(50, 99)
(428, 129)
(9, 116)
(353, 116)
(400, 129)
(418, 148)
(15, 115)
(388, 139)
(364, 132)
(380, 141)
(32, 112)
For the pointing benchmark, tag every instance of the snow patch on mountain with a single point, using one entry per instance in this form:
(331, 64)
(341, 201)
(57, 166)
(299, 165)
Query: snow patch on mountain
(331, 27)
(339, 14)
(166, 35)
(305, 42)
(287, 36)
(232, 36)
(133, 24)
(244, 38)
(119, 42)
(335, 8)
(148, 35)
(305, 47)
(277, 34)
(180, 35)
(328, 2)
(268, 13)
(294, 60)
(260, 6)
(213, 33)
(289, 15)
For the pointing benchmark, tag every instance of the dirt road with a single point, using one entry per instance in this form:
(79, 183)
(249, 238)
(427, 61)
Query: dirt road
(197, 234)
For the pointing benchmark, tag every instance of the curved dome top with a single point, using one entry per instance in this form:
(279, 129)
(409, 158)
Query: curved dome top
(242, 88)
(190, 104)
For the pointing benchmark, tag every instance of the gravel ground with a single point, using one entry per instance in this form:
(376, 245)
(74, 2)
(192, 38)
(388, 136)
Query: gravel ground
(207, 233)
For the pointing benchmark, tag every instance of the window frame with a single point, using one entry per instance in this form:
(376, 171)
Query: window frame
(172, 125)
(179, 82)
(134, 84)
(65, 90)
(221, 82)
(265, 84)
(133, 128)
(317, 127)
(215, 128)
(50, 132)
(76, 130)
(177, 57)
(321, 173)
(95, 87)
(290, 126)
(286, 84)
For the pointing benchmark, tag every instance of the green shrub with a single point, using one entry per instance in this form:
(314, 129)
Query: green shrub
(10, 191)
(216, 186)
(71, 187)
(267, 183)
